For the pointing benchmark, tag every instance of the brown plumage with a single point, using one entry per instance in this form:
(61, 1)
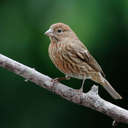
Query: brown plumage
(72, 58)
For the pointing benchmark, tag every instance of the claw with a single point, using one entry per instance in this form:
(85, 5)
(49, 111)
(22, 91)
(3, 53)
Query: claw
(54, 81)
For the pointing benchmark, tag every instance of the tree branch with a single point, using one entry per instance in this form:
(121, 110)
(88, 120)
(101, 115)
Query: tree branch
(90, 99)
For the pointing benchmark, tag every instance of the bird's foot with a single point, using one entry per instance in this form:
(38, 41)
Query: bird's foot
(55, 81)
(82, 87)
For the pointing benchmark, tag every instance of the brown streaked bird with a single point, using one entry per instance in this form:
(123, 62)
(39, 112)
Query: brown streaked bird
(72, 58)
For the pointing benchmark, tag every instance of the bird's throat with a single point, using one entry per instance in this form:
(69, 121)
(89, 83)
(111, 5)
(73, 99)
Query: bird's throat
(54, 39)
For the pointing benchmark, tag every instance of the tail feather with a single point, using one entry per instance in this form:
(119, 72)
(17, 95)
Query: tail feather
(111, 90)
(107, 86)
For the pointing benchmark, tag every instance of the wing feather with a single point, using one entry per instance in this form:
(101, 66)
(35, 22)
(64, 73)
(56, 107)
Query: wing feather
(83, 54)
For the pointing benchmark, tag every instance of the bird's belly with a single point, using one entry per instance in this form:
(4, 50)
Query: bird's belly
(69, 68)
(62, 65)
(66, 65)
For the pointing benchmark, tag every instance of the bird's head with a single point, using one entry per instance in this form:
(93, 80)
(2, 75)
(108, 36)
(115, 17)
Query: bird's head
(60, 32)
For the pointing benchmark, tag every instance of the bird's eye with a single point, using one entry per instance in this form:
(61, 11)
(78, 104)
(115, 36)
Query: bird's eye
(59, 30)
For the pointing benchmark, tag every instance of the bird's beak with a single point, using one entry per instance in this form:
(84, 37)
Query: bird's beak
(49, 32)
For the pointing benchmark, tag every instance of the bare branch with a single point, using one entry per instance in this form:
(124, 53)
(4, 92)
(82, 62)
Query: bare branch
(90, 99)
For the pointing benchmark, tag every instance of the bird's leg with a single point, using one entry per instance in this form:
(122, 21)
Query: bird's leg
(82, 86)
(60, 79)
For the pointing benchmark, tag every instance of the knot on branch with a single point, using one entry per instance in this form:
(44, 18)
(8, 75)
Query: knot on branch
(94, 89)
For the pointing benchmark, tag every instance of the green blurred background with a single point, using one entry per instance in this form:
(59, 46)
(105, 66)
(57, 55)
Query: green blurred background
(102, 25)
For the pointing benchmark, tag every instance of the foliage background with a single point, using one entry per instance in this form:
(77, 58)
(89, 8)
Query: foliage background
(102, 25)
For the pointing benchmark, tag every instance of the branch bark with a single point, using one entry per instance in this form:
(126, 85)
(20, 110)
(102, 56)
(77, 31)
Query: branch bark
(90, 99)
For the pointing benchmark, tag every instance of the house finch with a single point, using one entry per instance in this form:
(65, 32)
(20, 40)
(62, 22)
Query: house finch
(72, 58)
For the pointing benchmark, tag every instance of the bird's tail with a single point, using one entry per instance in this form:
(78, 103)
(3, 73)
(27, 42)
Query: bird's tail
(107, 86)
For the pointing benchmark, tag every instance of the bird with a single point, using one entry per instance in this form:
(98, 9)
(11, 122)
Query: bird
(72, 58)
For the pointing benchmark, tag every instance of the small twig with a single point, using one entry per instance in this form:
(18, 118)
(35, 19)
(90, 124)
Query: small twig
(90, 99)
(114, 124)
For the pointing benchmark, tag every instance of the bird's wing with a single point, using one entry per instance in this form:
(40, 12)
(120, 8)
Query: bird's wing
(83, 54)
